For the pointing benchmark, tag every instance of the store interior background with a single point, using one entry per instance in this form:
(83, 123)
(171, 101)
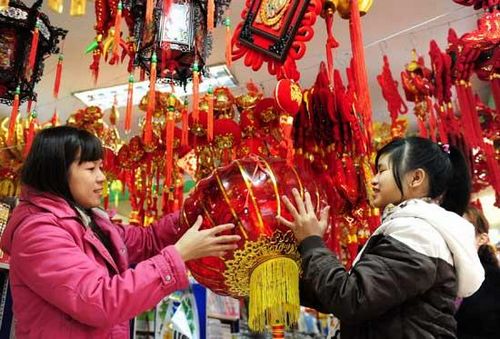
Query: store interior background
(392, 27)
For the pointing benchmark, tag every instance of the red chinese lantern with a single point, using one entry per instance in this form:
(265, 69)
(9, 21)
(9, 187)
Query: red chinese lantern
(265, 267)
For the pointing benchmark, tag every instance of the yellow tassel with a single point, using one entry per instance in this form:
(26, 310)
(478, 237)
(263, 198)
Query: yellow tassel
(274, 294)
(55, 5)
(77, 7)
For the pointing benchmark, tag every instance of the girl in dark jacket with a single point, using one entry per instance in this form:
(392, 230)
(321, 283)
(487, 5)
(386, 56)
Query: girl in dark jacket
(404, 281)
(479, 315)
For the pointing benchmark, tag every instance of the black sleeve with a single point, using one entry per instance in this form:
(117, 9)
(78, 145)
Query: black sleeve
(384, 277)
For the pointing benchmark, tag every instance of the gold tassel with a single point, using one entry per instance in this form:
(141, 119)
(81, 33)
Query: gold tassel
(55, 5)
(274, 294)
(77, 7)
(4, 4)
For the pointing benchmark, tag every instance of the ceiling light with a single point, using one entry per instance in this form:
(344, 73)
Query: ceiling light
(217, 75)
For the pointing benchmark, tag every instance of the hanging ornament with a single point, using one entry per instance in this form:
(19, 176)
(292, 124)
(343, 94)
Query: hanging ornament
(148, 125)
(33, 50)
(210, 112)
(130, 104)
(117, 31)
(31, 133)
(288, 96)
(77, 7)
(228, 54)
(265, 265)
(210, 15)
(196, 92)
(57, 81)
(344, 7)
(55, 5)
(169, 150)
(13, 116)
(185, 126)
(275, 32)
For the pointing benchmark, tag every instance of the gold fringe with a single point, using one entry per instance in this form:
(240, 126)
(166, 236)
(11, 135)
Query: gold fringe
(274, 294)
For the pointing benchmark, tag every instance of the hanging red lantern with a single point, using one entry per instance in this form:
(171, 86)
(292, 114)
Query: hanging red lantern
(265, 266)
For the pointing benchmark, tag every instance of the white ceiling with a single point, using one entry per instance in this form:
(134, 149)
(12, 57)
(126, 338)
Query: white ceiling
(411, 23)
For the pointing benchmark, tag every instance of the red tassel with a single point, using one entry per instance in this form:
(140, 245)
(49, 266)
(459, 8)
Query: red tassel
(54, 121)
(28, 108)
(169, 151)
(130, 104)
(210, 15)
(229, 57)
(149, 11)
(210, 114)
(361, 78)
(331, 43)
(196, 92)
(13, 116)
(31, 134)
(166, 6)
(57, 82)
(118, 24)
(148, 127)
(184, 136)
(495, 89)
(33, 50)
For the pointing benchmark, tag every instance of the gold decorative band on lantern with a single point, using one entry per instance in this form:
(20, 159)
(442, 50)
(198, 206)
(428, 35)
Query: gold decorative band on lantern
(238, 270)
(274, 294)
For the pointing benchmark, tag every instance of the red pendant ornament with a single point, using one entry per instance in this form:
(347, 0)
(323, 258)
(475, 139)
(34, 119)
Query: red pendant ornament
(275, 32)
(196, 92)
(265, 266)
(288, 96)
(57, 82)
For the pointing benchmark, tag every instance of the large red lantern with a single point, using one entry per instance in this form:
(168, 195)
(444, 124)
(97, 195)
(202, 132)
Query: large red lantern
(265, 266)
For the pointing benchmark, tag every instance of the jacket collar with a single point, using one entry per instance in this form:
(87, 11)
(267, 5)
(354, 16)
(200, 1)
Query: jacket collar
(52, 203)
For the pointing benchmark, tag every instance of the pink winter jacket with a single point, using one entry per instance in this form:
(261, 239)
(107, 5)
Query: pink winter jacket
(61, 284)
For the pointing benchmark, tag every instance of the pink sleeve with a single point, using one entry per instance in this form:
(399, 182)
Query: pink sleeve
(145, 242)
(49, 262)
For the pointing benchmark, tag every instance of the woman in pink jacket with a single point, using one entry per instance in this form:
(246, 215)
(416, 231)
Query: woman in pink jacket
(70, 266)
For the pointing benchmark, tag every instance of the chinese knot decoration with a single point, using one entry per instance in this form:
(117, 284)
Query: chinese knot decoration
(265, 266)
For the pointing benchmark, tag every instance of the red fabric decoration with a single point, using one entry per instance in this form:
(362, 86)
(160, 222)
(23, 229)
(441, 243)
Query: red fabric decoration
(288, 96)
(185, 126)
(228, 54)
(276, 36)
(31, 134)
(389, 86)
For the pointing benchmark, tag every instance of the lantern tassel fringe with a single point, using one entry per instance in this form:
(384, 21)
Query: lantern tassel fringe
(274, 294)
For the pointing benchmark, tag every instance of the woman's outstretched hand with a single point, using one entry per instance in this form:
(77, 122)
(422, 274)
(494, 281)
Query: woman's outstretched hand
(305, 221)
(196, 243)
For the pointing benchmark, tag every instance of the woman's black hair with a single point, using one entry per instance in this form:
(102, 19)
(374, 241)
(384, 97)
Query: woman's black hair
(53, 150)
(449, 177)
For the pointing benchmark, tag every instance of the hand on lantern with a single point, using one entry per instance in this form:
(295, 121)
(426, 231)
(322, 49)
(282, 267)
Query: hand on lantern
(305, 223)
(196, 243)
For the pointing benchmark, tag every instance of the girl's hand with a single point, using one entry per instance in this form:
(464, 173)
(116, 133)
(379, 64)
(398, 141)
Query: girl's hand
(196, 244)
(305, 221)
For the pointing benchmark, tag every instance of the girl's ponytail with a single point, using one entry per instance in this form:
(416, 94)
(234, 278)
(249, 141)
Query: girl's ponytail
(457, 194)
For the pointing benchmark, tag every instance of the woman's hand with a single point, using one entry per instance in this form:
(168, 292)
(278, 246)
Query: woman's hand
(196, 244)
(305, 223)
